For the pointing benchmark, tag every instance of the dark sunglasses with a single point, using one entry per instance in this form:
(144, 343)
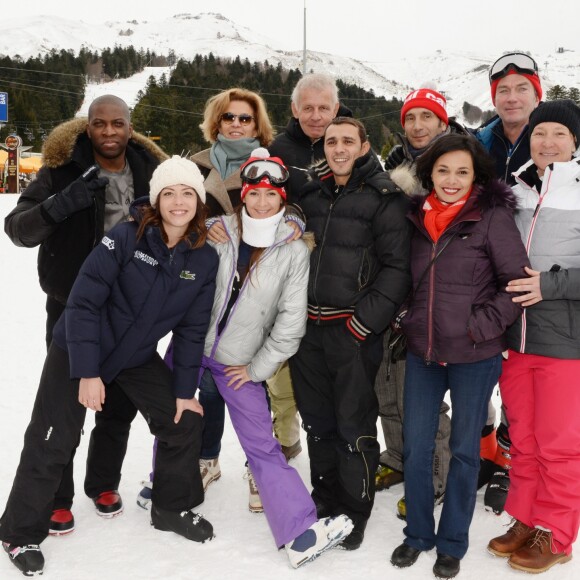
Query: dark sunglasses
(518, 61)
(255, 171)
(229, 118)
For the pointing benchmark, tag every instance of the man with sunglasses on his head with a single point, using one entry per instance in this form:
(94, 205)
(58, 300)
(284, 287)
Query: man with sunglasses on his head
(515, 91)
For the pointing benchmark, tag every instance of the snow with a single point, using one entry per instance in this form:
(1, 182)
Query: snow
(126, 89)
(128, 547)
(460, 74)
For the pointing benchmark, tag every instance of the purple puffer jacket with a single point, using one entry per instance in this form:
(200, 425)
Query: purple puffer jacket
(460, 311)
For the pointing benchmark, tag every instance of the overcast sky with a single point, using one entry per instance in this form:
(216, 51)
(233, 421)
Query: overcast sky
(366, 29)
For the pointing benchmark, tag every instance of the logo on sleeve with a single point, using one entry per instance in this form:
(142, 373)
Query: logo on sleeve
(187, 275)
(109, 243)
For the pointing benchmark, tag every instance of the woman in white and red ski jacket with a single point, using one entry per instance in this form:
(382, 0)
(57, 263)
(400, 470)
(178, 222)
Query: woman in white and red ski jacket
(540, 384)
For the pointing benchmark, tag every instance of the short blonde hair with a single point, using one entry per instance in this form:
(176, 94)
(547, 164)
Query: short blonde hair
(217, 105)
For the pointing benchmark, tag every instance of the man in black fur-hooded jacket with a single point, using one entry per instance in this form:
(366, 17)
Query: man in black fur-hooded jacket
(359, 275)
(92, 170)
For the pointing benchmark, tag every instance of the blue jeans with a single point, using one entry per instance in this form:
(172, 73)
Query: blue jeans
(470, 386)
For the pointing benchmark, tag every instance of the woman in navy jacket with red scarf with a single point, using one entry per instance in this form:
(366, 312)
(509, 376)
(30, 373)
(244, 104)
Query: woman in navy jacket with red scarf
(465, 249)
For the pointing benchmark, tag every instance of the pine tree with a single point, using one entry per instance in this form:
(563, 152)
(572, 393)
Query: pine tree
(574, 94)
(556, 92)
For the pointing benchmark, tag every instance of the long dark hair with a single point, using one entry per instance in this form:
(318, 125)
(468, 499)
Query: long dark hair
(151, 216)
(483, 164)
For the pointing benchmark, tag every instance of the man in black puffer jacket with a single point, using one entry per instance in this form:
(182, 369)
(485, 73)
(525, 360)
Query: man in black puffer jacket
(359, 275)
(92, 170)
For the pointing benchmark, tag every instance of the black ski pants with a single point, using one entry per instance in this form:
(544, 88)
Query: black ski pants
(333, 376)
(109, 437)
(54, 432)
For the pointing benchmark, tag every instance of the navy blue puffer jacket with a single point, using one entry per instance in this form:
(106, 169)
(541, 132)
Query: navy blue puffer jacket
(128, 295)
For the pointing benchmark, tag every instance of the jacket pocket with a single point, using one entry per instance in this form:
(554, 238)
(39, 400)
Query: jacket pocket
(366, 269)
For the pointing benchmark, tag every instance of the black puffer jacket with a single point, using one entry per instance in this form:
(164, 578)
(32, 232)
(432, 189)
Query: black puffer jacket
(298, 153)
(67, 153)
(360, 265)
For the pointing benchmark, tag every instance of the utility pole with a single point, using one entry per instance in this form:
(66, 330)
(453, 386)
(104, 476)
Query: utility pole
(304, 49)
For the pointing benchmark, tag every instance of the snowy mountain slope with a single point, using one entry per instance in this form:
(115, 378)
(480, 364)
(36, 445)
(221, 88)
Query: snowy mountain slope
(461, 75)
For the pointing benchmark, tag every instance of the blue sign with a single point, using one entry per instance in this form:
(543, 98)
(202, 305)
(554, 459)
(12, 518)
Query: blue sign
(3, 107)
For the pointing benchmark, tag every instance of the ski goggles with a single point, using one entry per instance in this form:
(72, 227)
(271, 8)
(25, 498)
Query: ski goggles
(518, 61)
(229, 118)
(254, 171)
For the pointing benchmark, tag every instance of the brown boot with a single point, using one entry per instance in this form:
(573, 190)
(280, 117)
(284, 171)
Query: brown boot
(537, 555)
(514, 539)
(291, 451)
(385, 477)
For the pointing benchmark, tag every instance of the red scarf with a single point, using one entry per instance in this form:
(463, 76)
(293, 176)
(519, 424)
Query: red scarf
(438, 214)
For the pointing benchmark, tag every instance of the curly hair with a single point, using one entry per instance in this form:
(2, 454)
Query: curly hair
(217, 105)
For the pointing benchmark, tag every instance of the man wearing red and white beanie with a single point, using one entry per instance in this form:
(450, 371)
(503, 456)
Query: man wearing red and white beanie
(424, 118)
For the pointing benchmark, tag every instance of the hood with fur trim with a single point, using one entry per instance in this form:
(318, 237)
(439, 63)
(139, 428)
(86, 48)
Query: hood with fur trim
(60, 143)
(495, 194)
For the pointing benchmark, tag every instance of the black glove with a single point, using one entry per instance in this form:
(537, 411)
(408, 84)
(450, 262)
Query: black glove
(395, 157)
(76, 196)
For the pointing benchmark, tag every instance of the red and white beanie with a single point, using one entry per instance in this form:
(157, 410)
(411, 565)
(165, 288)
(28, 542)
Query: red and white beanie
(426, 99)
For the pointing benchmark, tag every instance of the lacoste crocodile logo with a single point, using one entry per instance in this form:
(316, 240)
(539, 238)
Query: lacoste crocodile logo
(187, 275)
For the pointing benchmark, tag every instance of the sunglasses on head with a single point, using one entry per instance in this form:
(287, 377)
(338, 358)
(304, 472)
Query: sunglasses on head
(518, 61)
(229, 118)
(255, 171)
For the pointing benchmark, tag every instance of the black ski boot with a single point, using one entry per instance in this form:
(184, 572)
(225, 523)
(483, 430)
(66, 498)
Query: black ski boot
(186, 523)
(499, 484)
(497, 491)
(28, 559)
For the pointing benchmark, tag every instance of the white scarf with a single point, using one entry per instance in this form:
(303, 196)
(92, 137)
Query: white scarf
(260, 233)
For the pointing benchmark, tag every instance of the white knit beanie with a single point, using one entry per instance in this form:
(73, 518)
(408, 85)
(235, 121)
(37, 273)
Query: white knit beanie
(174, 171)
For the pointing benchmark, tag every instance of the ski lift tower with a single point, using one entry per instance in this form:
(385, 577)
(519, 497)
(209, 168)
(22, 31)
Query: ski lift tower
(304, 48)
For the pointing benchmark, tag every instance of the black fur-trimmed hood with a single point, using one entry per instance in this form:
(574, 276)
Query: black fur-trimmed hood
(495, 194)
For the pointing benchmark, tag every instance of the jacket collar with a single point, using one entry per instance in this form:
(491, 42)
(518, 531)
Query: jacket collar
(494, 194)
(64, 141)
(558, 174)
(231, 225)
(214, 184)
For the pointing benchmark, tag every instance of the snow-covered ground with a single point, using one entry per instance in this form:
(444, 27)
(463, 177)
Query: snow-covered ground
(126, 89)
(127, 546)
